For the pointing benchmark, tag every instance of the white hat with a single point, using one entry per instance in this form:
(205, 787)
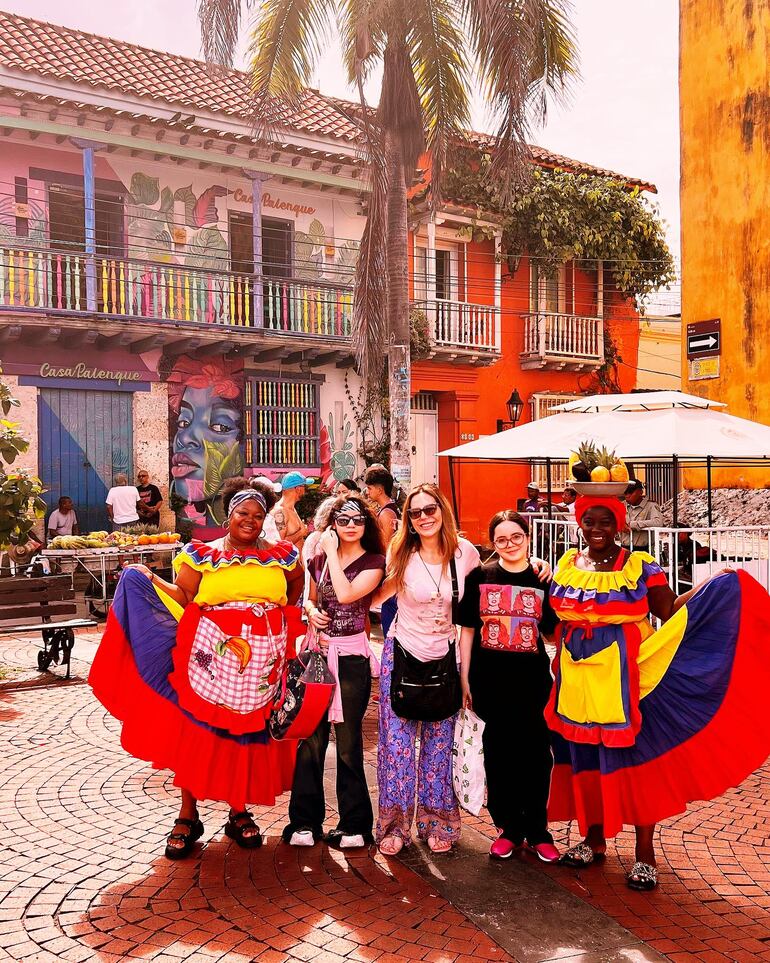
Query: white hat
(276, 486)
(534, 484)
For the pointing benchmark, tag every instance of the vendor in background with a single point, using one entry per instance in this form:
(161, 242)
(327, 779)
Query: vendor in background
(533, 502)
(151, 500)
(122, 503)
(290, 526)
(63, 520)
(642, 514)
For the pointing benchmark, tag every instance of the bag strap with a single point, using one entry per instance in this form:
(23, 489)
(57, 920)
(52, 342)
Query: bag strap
(455, 591)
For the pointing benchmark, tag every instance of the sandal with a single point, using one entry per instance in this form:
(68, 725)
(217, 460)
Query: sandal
(391, 845)
(438, 845)
(237, 824)
(643, 876)
(580, 856)
(188, 840)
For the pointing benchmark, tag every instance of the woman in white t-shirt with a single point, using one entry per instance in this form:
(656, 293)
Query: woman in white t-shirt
(122, 500)
(419, 574)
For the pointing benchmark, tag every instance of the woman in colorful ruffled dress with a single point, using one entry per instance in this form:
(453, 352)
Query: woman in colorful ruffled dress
(191, 667)
(645, 722)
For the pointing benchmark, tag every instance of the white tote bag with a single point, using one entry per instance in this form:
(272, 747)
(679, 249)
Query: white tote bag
(468, 775)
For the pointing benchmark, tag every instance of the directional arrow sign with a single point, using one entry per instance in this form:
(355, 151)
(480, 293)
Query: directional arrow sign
(704, 338)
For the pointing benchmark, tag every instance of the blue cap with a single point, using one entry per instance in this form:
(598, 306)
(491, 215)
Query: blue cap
(295, 479)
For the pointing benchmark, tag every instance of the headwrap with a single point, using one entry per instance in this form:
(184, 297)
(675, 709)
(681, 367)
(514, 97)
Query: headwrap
(244, 495)
(613, 505)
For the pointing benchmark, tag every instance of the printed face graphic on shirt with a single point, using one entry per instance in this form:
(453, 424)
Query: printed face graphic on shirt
(496, 599)
(510, 617)
(528, 601)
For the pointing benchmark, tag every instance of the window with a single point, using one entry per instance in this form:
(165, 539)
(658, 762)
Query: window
(547, 292)
(543, 404)
(447, 272)
(282, 423)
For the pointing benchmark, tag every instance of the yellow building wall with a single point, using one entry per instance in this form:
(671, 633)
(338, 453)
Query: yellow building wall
(660, 354)
(724, 80)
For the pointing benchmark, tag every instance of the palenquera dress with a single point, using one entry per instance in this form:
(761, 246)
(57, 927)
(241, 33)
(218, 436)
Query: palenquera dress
(194, 687)
(645, 722)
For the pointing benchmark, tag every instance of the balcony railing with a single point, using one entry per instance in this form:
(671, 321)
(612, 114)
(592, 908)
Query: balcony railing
(131, 288)
(462, 325)
(562, 340)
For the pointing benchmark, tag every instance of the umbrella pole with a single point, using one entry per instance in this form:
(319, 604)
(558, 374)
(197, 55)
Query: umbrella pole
(675, 464)
(708, 487)
(452, 486)
(548, 485)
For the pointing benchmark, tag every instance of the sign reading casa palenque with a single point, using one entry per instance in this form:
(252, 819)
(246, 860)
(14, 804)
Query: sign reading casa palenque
(90, 374)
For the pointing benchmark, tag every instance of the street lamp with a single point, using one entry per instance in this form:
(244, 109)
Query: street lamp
(514, 406)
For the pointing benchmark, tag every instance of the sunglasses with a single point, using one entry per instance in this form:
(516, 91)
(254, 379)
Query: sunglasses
(344, 520)
(429, 511)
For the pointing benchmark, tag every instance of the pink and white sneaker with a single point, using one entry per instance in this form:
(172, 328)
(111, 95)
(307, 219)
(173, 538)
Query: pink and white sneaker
(546, 852)
(502, 848)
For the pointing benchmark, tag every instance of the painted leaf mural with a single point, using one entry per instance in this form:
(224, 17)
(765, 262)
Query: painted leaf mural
(144, 189)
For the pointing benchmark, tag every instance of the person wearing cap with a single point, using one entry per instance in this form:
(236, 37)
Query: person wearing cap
(533, 502)
(290, 526)
(642, 514)
(567, 507)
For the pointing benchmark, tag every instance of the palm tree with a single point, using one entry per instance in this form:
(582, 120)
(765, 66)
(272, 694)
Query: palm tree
(430, 51)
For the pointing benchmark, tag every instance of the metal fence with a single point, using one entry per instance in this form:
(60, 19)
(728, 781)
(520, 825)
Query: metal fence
(688, 556)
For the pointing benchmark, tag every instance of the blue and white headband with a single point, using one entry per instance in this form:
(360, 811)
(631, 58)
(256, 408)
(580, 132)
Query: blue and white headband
(242, 496)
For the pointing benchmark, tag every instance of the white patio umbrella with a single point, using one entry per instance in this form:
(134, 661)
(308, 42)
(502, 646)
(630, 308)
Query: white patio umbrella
(650, 426)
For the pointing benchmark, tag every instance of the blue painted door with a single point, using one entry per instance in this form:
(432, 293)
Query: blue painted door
(85, 439)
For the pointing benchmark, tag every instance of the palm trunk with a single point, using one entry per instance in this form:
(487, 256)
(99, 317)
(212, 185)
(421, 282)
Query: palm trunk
(399, 365)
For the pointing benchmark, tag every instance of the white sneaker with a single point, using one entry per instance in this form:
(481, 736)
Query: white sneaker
(352, 842)
(302, 837)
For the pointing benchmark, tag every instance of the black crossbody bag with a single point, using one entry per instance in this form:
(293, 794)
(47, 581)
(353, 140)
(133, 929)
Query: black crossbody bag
(427, 691)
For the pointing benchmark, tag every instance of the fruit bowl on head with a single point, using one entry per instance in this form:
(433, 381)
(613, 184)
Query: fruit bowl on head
(602, 489)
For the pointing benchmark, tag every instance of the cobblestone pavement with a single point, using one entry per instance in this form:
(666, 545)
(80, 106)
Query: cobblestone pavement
(82, 878)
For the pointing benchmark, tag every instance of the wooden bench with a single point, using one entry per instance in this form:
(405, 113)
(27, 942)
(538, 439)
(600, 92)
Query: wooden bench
(38, 605)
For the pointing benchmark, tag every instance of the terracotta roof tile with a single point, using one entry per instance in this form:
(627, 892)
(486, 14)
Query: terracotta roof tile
(48, 50)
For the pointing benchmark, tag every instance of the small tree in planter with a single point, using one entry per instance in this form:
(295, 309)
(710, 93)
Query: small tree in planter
(20, 491)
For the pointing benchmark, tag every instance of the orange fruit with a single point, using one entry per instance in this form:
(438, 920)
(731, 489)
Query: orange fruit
(600, 474)
(143, 540)
(154, 539)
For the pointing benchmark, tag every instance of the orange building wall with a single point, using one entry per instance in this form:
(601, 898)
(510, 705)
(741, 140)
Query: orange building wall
(471, 398)
(724, 79)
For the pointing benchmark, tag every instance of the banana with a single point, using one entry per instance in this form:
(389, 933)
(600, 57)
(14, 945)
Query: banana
(239, 647)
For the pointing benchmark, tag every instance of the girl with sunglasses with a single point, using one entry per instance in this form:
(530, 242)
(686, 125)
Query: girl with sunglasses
(506, 679)
(419, 574)
(344, 575)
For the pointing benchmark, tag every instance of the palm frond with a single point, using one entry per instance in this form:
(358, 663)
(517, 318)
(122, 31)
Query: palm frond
(362, 27)
(439, 62)
(287, 40)
(508, 37)
(220, 25)
(554, 60)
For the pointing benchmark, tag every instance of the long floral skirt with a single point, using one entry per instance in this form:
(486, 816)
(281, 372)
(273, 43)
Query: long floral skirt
(401, 778)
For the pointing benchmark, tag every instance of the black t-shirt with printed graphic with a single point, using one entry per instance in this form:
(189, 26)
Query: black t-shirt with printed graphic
(508, 612)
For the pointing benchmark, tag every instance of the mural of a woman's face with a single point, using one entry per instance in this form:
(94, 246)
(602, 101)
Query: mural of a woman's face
(204, 419)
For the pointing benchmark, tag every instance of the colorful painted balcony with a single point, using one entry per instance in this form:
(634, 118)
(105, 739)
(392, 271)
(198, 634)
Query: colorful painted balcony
(72, 283)
(557, 341)
(461, 329)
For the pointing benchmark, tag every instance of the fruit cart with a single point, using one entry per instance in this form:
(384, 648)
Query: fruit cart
(102, 557)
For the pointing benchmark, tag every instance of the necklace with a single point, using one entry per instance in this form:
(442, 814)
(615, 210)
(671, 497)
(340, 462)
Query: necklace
(601, 561)
(437, 584)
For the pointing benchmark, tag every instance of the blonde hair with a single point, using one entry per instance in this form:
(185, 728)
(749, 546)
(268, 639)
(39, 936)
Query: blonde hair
(406, 541)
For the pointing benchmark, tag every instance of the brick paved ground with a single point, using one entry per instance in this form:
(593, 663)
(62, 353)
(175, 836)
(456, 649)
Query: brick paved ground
(81, 875)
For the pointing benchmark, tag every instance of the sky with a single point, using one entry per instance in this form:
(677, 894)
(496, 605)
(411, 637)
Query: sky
(623, 112)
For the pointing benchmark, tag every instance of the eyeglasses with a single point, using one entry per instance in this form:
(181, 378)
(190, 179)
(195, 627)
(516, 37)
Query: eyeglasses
(344, 520)
(504, 542)
(429, 510)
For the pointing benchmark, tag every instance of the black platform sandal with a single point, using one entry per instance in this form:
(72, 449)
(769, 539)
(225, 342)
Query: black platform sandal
(643, 877)
(235, 826)
(188, 840)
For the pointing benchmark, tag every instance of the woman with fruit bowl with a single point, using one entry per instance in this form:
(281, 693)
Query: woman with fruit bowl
(645, 722)
(191, 667)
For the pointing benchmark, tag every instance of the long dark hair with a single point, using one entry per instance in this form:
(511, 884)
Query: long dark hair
(371, 540)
